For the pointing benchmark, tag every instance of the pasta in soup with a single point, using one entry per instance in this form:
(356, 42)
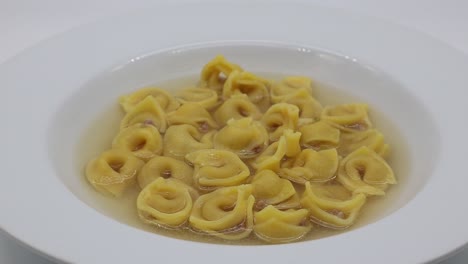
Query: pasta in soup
(240, 157)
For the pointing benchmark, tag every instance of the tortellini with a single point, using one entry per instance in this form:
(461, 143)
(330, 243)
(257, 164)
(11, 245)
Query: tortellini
(143, 140)
(113, 171)
(308, 106)
(347, 117)
(331, 205)
(236, 107)
(279, 117)
(254, 87)
(287, 146)
(165, 167)
(371, 138)
(217, 168)
(245, 137)
(311, 165)
(270, 189)
(364, 171)
(165, 100)
(180, 140)
(319, 135)
(166, 202)
(275, 226)
(226, 212)
(215, 73)
(236, 156)
(205, 97)
(192, 114)
(148, 112)
(289, 85)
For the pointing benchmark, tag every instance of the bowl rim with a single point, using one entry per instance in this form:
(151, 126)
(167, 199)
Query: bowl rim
(335, 28)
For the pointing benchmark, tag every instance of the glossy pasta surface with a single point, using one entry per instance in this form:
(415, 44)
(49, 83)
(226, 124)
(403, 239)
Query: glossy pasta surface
(239, 157)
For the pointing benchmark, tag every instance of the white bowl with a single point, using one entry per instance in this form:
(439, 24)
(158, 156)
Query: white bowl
(57, 90)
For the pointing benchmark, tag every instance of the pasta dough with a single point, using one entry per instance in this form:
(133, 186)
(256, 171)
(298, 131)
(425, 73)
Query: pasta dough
(217, 168)
(165, 202)
(192, 114)
(348, 117)
(113, 171)
(311, 165)
(254, 87)
(236, 107)
(180, 140)
(226, 212)
(165, 167)
(270, 189)
(363, 171)
(143, 140)
(320, 135)
(276, 226)
(236, 157)
(331, 205)
(215, 73)
(165, 100)
(204, 97)
(279, 117)
(149, 112)
(245, 137)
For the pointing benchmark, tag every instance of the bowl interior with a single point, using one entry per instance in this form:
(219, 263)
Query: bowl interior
(88, 120)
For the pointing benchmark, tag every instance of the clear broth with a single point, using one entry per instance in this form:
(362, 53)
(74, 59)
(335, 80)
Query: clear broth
(98, 137)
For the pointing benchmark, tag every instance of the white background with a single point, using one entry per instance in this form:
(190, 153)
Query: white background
(23, 23)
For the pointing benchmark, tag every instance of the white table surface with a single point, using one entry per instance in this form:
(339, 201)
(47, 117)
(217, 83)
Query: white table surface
(23, 23)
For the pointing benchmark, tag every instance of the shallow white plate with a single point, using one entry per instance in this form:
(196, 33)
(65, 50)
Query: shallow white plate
(53, 91)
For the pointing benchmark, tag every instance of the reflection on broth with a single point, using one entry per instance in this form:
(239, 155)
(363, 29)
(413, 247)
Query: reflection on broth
(246, 160)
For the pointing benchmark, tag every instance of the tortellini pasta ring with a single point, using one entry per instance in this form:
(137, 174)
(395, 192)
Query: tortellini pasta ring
(226, 213)
(217, 168)
(275, 226)
(113, 171)
(166, 202)
(144, 141)
(165, 167)
(245, 137)
(165, 100)
(364, 171)
(330, 208)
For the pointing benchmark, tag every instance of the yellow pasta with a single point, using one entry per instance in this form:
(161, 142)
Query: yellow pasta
(225, 213)
(254, 87)
(347, 117)
(275, 226)
(166, 202)
(279, 117)
(113, 171)
(165, 100)
(331, 205)
(311, 165)
(236, 156)
(371, 138)
(308, 106)
(147, 112)
(165, 167)
(364, 171)
(236, 107)
(205, 97)
(143, 140)
(180, 140)
(289, 85)
(217, 168)
(215, 73)
(319, 135)
(192, 114)
(270, 189)
(245, 137)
